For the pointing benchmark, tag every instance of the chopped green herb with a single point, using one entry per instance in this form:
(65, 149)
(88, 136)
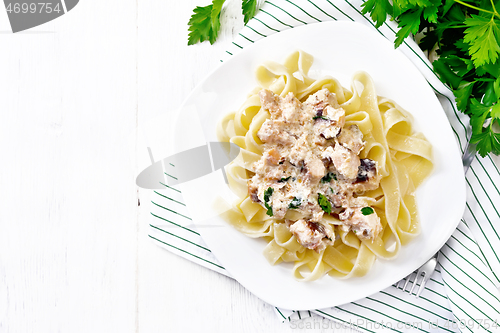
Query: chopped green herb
(367, 210)
(295, 203)
(331, 189)
(324, 203)
(267, 196)
(355, 231)
(282, 180)
(316, 117)
(328, 177)
(268, 193)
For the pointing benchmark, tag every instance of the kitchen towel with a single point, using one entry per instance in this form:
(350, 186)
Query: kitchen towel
(462, 295)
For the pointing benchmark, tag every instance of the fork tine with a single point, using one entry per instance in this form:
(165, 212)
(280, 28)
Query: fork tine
(419, 273)
(407, 280)
(402, 283)
(421, 287)
(426, 271)
(426, 278)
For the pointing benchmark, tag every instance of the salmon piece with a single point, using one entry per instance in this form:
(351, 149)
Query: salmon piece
(366, 227)
(337, 115)
(310, 234)
(269, 101)
(329, 120)
(345, 161)
(273, 157)
(315, 169)
(291, 108)
(271, 132)
(326, 128)
(367, 176)
(323, 97)
(352, 138)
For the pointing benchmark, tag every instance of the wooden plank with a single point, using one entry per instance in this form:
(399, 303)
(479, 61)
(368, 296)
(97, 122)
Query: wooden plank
(68, 243)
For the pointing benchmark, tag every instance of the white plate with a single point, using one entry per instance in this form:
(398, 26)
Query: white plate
(340, 49)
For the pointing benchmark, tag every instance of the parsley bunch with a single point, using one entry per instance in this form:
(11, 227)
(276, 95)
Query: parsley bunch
(204, 24)
(467, 37)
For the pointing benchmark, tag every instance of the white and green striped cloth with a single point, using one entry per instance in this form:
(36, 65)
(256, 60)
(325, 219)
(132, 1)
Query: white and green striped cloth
(462, 295)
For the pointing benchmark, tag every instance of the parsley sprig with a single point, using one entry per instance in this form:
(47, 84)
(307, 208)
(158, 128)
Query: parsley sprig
(204, 24)
(467, 36)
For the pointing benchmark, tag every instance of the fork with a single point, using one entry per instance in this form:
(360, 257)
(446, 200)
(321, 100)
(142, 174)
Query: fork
(428, 268)
(425, 271)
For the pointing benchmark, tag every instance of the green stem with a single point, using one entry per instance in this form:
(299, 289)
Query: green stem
(494, 8)
(476, 8)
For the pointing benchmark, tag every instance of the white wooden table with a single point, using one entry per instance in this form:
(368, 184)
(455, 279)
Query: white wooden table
(74, 251)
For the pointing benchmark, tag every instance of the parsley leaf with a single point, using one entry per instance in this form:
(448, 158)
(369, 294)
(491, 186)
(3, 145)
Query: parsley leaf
(462, 95)
(446, 73)
(295, 203)
(431, 13)
(268, 193)
(478, 113)
(267, 197)
(282, 180)
(324, 203)
(409, 23)
(328, 177)
(204, 24)
(495, 111)
(367, 211)
(248, 8)
(483, 135)
(482, 35)
(486, 141)
(378, 10)
(215, 16)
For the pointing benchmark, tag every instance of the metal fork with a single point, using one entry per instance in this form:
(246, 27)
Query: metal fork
(428, 268)
(425, 271)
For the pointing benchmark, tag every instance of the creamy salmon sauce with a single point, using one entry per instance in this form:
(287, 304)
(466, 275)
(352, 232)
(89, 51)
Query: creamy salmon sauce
(311, 167)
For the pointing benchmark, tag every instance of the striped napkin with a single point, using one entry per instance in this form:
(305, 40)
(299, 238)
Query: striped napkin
(462, 295)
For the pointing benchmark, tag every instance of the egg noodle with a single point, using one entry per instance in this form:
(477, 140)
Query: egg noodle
(403, 161)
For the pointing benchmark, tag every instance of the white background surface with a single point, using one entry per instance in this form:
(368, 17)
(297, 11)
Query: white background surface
(74, 251)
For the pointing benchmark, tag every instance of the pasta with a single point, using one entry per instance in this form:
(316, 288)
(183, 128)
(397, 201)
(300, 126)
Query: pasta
(403, 159)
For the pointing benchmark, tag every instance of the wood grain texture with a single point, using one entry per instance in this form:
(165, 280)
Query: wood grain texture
(68, 201)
